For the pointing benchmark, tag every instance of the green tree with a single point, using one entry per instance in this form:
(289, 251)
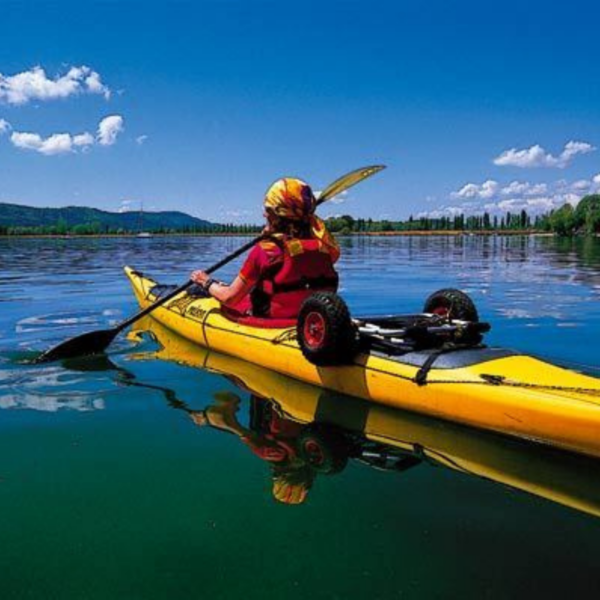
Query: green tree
(562, 221)
(587, 214)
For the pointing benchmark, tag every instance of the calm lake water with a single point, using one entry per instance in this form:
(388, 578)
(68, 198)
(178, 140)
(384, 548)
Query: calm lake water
(110, 488)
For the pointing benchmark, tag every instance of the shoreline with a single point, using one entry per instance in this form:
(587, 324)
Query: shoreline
(416, 233)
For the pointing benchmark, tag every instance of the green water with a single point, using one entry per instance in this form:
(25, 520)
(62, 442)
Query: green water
(107, 491)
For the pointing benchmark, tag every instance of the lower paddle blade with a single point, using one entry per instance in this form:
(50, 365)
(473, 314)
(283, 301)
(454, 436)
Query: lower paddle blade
(93, 342)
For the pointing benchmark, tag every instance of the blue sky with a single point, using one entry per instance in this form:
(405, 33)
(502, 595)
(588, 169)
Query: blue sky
(471, 105)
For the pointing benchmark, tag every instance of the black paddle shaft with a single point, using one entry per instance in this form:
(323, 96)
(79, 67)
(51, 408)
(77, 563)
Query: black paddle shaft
(123, 324)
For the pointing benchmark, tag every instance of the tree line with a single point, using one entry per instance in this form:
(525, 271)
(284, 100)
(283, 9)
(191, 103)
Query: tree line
(566, 220)
(61, 228)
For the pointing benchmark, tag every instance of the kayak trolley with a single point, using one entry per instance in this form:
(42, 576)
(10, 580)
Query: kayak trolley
(328, 336)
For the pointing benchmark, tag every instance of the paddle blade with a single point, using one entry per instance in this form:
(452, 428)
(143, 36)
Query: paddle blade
(347, 181)
(93, 342)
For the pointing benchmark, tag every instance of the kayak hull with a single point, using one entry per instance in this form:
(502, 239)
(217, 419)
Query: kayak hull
(509, 393)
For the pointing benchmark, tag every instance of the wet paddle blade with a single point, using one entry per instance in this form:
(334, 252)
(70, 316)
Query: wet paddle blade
(347, 181)
(93, 342)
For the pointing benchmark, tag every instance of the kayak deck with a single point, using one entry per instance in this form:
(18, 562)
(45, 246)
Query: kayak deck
(488, 388)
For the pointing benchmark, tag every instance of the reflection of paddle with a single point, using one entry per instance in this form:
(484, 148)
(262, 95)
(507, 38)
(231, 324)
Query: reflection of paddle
(95, 342)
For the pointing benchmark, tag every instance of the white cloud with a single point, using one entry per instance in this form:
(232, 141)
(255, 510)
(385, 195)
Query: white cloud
(83, 139)
(125, 206)
(535, 205)
(537, 189)
(95, 85)
(443, 211)
(35, 85)
(524, 188)
(58, 143)
(487, 189)
(141, 139)
(4, 126)
(582, 185)
(572, 149)
(63, 143)
(514, 187)
(535, 198)
(536, 156)
(341, 198)
(338, 199)
(108, 130)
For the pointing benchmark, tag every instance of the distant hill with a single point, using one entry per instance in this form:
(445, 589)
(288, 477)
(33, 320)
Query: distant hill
(15, 215)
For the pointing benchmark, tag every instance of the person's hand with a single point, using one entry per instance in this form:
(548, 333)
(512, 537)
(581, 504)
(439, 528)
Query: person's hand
(200, 277)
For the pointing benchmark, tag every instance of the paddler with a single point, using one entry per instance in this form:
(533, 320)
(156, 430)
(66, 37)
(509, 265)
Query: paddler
(295, 259)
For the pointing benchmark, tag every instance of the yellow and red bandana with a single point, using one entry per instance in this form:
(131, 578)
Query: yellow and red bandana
(291, 198)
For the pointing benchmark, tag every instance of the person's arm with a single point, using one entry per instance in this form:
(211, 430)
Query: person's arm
(242, 285)
(226, 294)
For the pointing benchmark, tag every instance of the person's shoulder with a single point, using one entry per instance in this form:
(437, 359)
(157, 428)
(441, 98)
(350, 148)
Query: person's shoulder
(270, 247)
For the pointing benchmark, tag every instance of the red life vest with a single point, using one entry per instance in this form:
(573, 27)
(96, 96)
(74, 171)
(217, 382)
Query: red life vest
(303, 268)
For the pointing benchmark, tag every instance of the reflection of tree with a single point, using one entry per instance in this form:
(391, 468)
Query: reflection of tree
(581, 255)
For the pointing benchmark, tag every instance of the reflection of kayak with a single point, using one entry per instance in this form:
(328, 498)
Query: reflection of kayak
(488, 388)
(560, 477)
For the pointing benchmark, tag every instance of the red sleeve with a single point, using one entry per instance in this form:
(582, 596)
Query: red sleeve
(268, 450)
(257, 262)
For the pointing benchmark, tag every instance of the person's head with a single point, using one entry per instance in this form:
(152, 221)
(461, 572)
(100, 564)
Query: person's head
(292, 482)
(289, 205)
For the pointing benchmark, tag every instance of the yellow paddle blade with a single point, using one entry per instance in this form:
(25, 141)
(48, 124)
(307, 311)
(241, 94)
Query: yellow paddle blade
(347, 181)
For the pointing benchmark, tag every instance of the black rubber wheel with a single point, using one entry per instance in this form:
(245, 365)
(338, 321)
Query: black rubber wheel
(452, 304)
(324, 449)
(325, 331)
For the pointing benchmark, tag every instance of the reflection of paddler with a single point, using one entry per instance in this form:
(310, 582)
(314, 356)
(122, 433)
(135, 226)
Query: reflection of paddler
(274, 442)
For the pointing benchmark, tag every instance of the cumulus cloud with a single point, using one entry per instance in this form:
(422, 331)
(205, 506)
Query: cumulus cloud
(536, 156)
(4, 126)
(125, 206)
(34, 84)
(487, 189)
(443, 211)
(515, 196)
(535, 205)
(582, 185)
(108, 130)
(140, 139)
(524, 188)
(63, 143)
(83, 139)
(58, 143)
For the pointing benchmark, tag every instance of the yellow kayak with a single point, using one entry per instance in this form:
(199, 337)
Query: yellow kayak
(557, 476)
(487, 388)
